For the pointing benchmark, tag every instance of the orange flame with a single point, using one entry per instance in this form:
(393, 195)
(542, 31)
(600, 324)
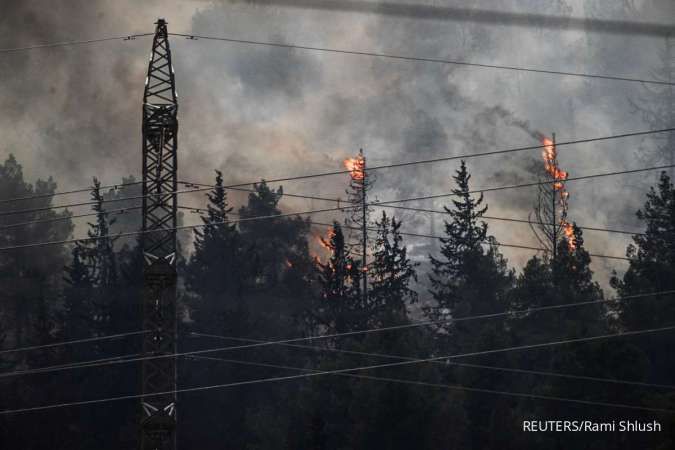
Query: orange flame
(550, 155)
(289, 264)
(356, 167)
(568, 229)
(325, 241)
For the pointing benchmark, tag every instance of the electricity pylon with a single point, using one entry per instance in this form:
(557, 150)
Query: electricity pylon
(160, 127)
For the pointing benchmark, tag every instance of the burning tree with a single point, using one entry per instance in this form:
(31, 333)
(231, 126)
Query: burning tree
(358, 217)
(340, 308)
(549, 223)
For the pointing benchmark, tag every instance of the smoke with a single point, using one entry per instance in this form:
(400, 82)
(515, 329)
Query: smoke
(490, 115)
(256, 112)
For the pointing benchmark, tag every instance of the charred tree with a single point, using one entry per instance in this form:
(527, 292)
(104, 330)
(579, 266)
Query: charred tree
(548, 221)
(358, 217)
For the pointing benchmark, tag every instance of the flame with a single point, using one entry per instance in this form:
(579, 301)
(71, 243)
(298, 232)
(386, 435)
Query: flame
(325, 241)
(550, 155)
(568, 229)
(289, 264)
(323, 247)
(356, 167)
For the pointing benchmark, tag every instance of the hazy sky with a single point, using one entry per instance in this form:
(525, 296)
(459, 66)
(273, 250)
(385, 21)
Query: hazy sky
(256, 112)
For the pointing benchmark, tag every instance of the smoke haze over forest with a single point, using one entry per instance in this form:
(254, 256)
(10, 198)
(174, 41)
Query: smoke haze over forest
(254, 112)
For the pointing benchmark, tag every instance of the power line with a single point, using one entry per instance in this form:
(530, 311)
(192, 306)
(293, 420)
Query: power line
(376, 203)
(129, 37)
(399, 380)
(93, 202)
(62, 218)
(424, 59)
(387, 166)
(74, 191)
(454, 363)
(347, 370)
(120, 359)
(408, 208)
(428, 236)
(473, 155)
(524, 247)
(342, 208)
(531, 184)
(367, 331)
(511, 219)
(284, 194)
(76, 341)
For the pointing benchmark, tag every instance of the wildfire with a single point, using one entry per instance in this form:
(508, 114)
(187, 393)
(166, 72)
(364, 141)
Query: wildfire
(356, 166)
(568, 229)
(550, 155)
(324, 245)
(325, 241)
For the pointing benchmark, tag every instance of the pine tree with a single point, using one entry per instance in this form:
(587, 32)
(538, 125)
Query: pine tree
(652, 257)
(470, 280)
(466, 279)
(77, 315)
(273, 243)
(564, 280)
(652, 269)
(215, 272)
(127, 213)
(391, 273)
(340, 306)
(23, 275)
(279, 264)
(98, 253)
(358, 215)
(353, 413)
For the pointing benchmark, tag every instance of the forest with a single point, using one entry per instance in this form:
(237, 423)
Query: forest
(473, 320)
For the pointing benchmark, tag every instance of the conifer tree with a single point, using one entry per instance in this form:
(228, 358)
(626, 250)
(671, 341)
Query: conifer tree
(565, 279)
(468, 279)
(358, 215)
(391, 273)
(652, 257)
(99, 256)
(652, 269)
(273, 243)
(77, 315)
(24, 273)
(340, 306)
(215, 272)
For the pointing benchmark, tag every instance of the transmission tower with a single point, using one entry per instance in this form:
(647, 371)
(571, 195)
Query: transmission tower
(160, 127)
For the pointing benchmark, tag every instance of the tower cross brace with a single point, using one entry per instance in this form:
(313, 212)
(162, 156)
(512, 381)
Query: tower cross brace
(158, 303)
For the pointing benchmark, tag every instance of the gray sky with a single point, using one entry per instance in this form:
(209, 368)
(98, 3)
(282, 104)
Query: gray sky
(255, 112)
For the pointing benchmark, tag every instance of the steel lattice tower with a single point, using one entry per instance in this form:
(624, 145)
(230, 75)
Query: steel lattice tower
(160, 127)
